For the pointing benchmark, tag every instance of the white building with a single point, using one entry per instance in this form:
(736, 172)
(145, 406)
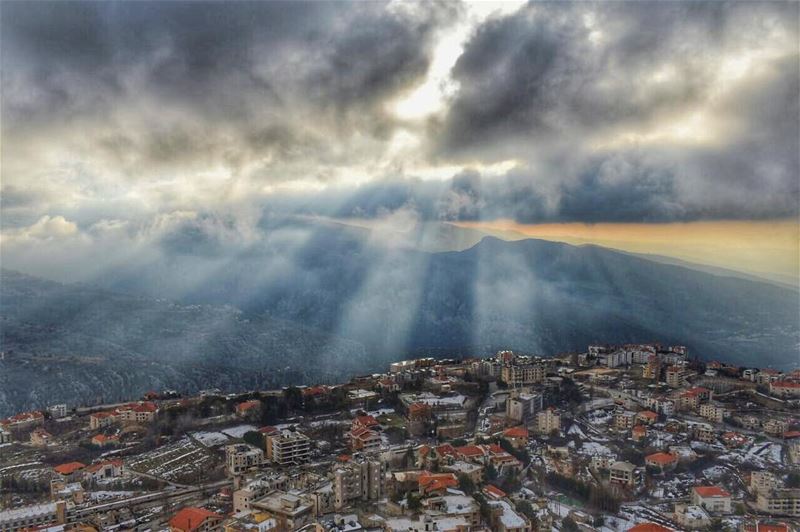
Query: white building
(242, 456)
(288, 447)
(523, 407)
(712, 498)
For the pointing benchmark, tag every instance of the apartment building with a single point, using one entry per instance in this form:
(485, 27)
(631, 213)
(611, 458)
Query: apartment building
(359, 478)
(780, 502)
(763, 482)
(144, 412)
(290, 511)
(523, 374)
(288, 447)
(548, 420)
(242, 456)
(523, 407)
(713, 411)
(624, 474)
(712, 498)
(624, 420)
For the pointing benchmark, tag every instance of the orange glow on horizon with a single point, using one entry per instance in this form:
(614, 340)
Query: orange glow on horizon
(765, 248)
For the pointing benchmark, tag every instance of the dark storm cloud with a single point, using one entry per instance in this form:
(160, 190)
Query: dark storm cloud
(552, 84)
(247, 65)
(552, 69)
(134, 109)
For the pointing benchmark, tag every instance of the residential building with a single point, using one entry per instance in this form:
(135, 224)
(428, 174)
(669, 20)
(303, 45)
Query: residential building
(763, 482)
(691, 516)
(101, 440)
(70, 470)
(288, 447)
(780, 501)
(358, 478)
(364, 440)
(661, 461)
(99, 420)
(713, 411)
(31, 516)
(662, 405)
(19, 421)
(523, 407)
(712, 498)
(240, 457)
(775, 427)
(523, 374)
(289, 510)
(624, 474)
(58, 411)
(140, 413)
(40, 437)
(676, 376)
(646, 417)
(195, 520)
(504, 518)
(704, 433)
(103, 470)
(548, 420)
(248, 408)
(624, 420)
(517, 436)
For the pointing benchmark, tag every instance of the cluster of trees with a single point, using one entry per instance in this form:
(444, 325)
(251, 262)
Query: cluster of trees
(598, 497)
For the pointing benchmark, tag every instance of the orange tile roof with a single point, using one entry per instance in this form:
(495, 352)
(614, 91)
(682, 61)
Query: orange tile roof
(429, 482)
(470, 451)
(366, 421)
(711, 491)
(661, 458)
(418, 407)
(247, 405)
(189, 519)
(649, 527)
(516, 432)
(785, 384)
(494, 491)
(68, 468)
(766, 527)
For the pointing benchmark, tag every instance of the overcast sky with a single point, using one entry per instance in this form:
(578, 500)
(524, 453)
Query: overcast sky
(131, 119)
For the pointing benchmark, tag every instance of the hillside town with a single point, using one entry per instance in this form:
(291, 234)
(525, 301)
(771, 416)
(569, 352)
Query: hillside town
(638, 438)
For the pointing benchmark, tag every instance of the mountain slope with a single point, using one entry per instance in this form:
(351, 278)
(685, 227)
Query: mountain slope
(77, 344)
(531, 295)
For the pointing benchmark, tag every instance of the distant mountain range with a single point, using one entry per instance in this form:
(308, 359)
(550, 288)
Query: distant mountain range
(335, 303)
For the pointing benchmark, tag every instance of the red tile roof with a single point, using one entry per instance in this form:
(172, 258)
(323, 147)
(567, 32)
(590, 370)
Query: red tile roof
(189, 519)
(494, 491)
(661, 458)
(785, 384)
(366, 421)
(470, 451)
(68, 468)
(711, 491)
(649, 527)
(247, 405)
(516, 432)
(767, 527)
(429, 482)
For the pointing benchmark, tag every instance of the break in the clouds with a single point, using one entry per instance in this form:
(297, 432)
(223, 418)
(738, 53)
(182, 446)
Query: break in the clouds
(130, 114)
